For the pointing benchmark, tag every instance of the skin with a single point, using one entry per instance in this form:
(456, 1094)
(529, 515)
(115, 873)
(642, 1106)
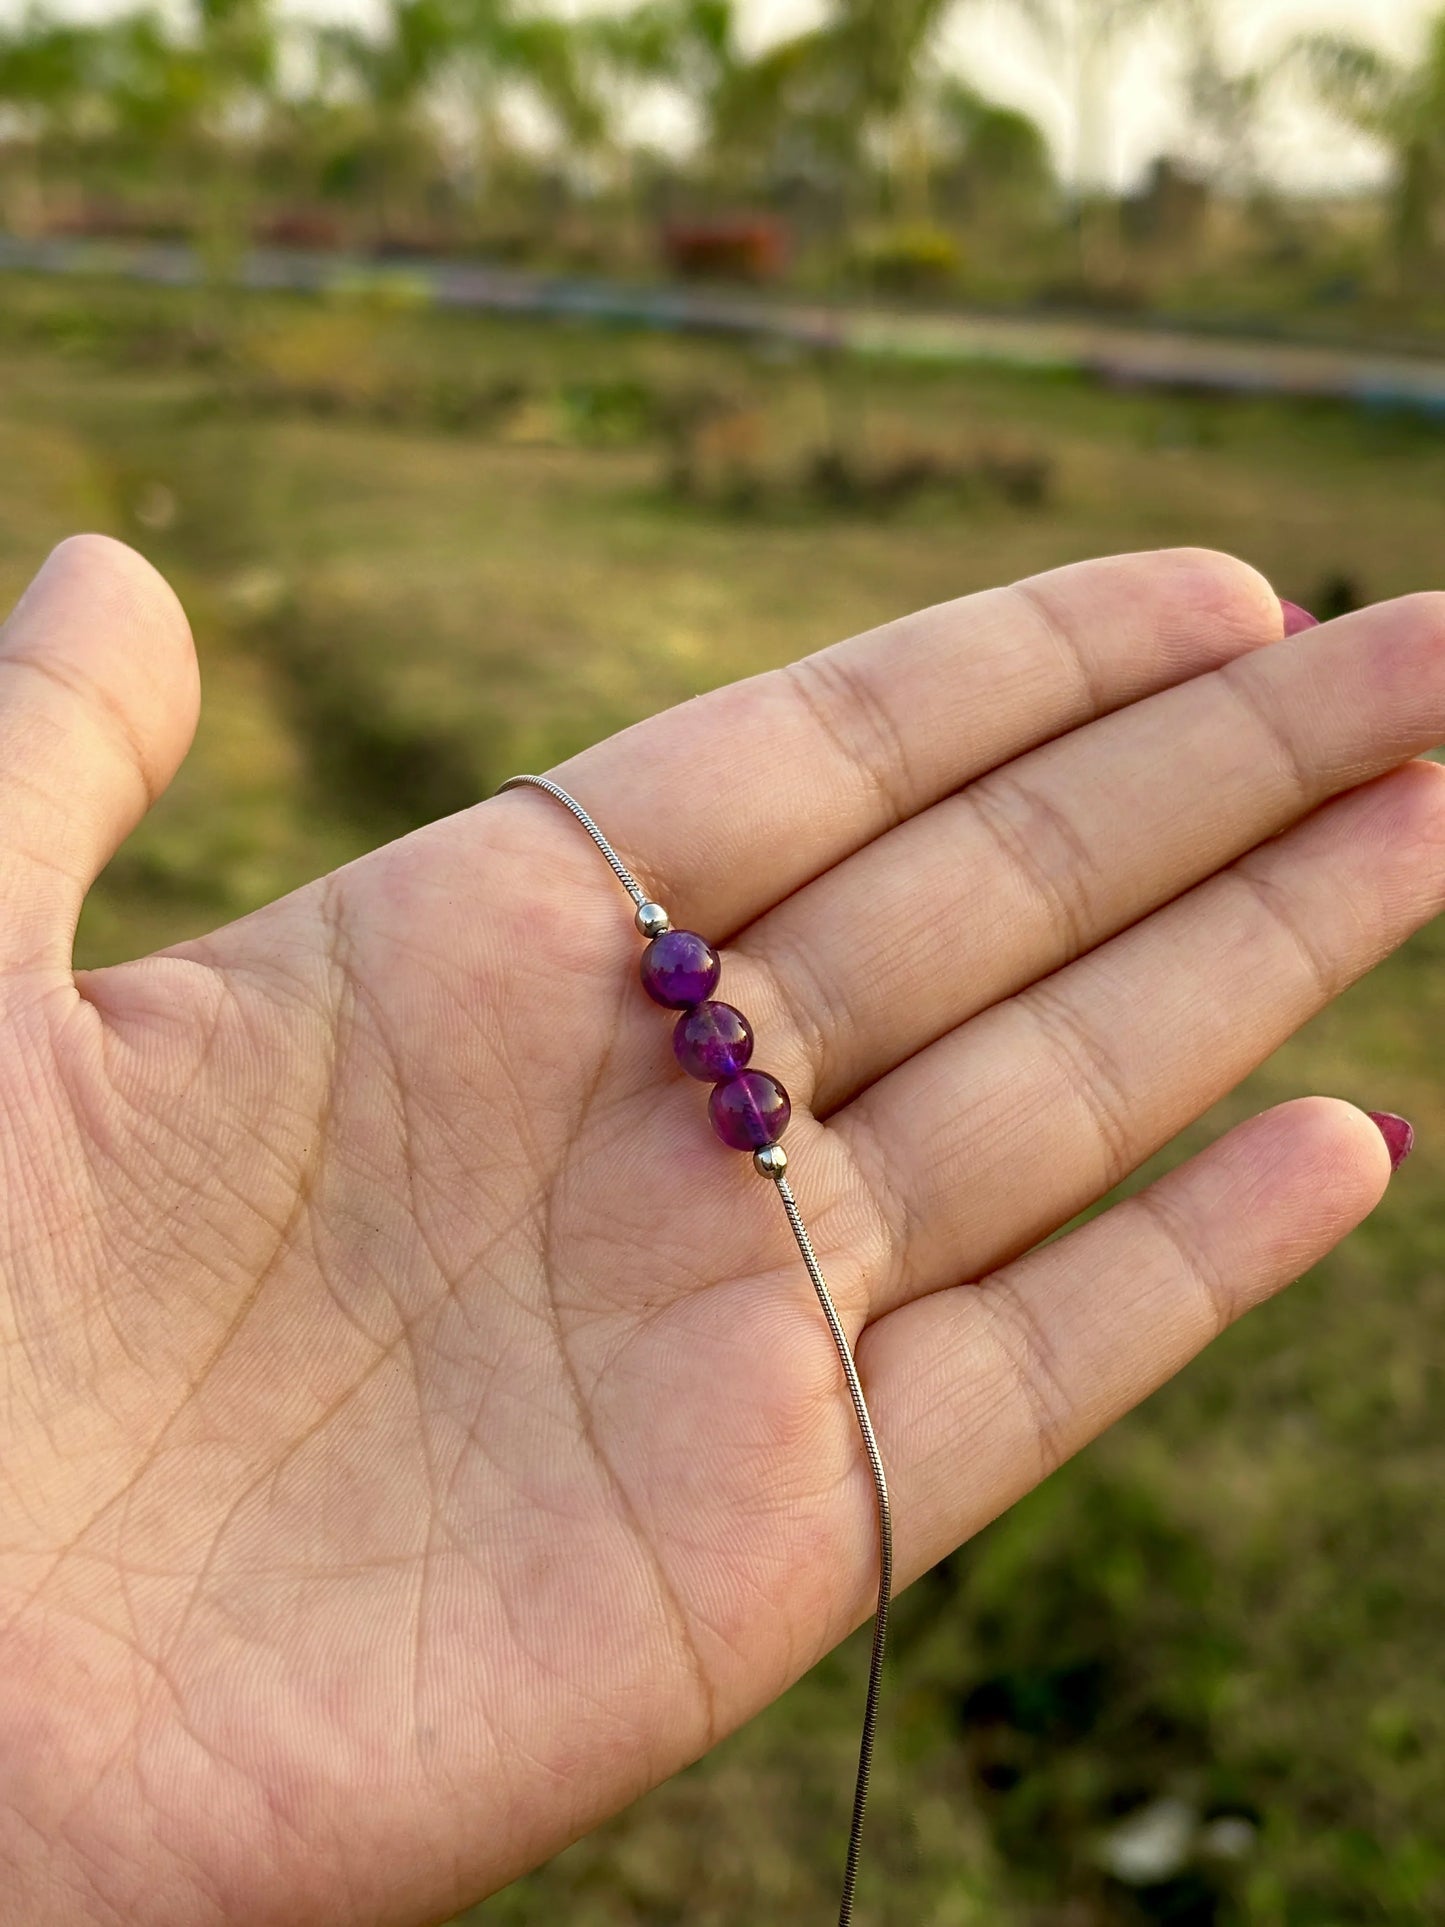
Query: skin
(419, 1434)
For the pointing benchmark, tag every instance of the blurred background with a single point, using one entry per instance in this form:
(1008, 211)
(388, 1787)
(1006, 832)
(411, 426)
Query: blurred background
(486, 374)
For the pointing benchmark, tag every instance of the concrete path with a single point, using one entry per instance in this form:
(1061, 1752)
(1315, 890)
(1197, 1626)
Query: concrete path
(1125, 356)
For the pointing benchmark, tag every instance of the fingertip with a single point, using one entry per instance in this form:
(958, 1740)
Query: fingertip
(1189, 610)
(1332, 1159)
(99, 698)
(111, 568)
(111, 588)
(1231, 595)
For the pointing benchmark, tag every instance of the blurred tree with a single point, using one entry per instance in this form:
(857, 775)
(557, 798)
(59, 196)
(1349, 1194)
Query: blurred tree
(1401, 107)
(46, 83)
(990, 156)
(1087, 36)
(388, 150)
(885, 52)
(186, 103)
(693, 46)
(153, 89)
(762, 119)
(764, 122)
(1224, 100)
(788, 116)
(507, 50)
(435, 84)
(857, 98)
(890, 82)
(234, 47)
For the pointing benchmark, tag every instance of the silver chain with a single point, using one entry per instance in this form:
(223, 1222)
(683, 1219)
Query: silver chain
(619, 869)
(855, 1391)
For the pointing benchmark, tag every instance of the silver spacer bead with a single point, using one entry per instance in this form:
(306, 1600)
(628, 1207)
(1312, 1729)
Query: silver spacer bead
(770, 1162)
(652, 920)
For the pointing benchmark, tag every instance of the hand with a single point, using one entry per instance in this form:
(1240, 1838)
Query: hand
(420, 1435)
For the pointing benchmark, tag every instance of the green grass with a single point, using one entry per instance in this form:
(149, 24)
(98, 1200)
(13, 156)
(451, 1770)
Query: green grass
(1234, 1600)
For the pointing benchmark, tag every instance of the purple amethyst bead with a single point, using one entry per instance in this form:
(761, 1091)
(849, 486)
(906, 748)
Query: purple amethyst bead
(680, 969)
(713, 1042)
(749, 1111)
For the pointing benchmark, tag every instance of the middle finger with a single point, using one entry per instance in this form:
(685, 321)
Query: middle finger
(1049, 856)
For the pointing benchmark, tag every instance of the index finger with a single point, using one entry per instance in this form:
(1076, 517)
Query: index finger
(726, 805)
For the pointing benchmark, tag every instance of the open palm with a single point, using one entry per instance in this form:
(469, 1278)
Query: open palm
(419, 1434)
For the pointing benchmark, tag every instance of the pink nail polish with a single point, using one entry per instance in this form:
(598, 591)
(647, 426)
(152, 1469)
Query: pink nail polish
(1398, 1133)
(1296, 619)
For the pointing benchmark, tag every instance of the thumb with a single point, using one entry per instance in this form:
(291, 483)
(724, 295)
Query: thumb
(98, 702)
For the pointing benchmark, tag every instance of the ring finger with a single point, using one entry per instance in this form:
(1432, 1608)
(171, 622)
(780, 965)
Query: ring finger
(1000, 1133)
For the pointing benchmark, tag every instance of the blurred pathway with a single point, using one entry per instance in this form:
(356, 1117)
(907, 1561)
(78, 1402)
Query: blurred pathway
(1123, 355)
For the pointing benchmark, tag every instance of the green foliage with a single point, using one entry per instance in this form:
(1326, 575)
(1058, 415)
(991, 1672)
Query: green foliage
(1402, 107)
(416, 112)
(1000, 146)
(915, 259)
(44, 68)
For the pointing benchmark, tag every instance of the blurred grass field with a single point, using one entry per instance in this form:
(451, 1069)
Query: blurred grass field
(1196, 1678)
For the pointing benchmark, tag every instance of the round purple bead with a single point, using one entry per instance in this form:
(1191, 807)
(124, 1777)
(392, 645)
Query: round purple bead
(680, 969)
(750, 1111)
(713, 1042)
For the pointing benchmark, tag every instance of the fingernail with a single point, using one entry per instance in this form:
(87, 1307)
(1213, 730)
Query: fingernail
(1398, 1133)
(1297, 619)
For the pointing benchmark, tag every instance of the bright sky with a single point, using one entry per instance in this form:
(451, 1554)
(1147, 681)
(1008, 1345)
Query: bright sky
(1301, 147)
